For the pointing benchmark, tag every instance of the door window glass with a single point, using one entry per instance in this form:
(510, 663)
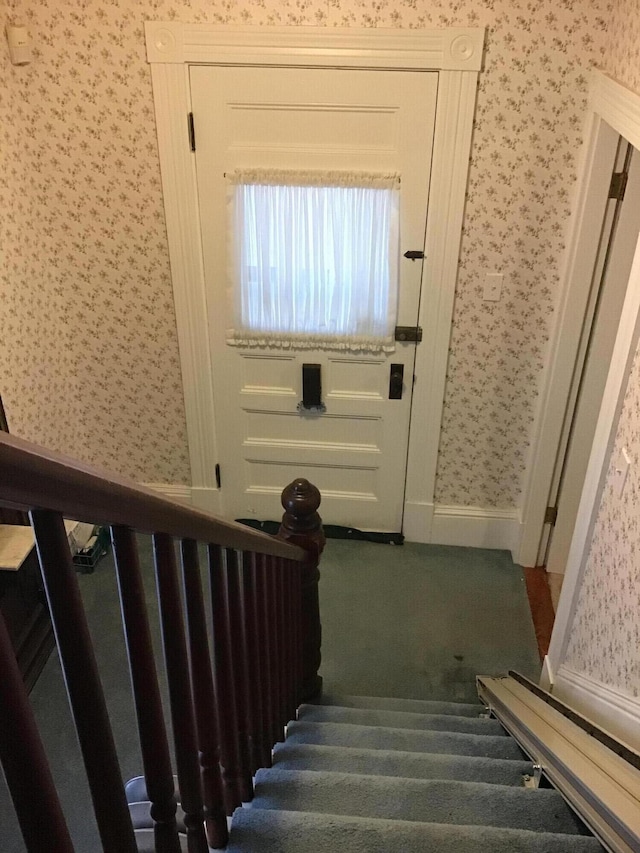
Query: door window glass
(314, 259)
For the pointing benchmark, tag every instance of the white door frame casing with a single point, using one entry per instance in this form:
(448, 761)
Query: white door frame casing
(612, 106)
(612, 113)
(456, 54)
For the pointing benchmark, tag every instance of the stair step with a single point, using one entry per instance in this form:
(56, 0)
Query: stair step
(424, 800)
(405, 740)
(414, 765)
(264, 831)
(399, 719)
(413, 706)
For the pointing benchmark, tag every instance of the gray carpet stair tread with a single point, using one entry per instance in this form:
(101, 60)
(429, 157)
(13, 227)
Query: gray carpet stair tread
(399, 719)
(414, 765)
(406, 740)
(414, 706)
(424, 800)
(258, 831)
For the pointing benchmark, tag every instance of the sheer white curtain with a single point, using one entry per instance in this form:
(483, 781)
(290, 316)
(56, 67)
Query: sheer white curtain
(315, 259)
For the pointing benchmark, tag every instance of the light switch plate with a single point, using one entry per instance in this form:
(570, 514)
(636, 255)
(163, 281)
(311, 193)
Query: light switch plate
(492, 286)
(621, 472)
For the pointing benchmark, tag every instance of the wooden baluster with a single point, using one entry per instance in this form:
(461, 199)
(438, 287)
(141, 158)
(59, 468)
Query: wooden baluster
(291, 653)
(239, 673)
(268, 641)
(276, 634)
(284, 649)
(297, 625)
(156, 759)
(250, 642)
(204, 697)
(180, 695)
(25, 763)
(83, 683)
(223, 681)
(261, 653)
(302, 526)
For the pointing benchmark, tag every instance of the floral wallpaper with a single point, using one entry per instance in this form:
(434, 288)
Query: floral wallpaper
(91, 362)
(92, 366)
(605, 635)
(32, 369)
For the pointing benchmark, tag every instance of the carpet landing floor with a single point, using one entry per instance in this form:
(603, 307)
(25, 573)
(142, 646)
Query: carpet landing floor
(410, 622)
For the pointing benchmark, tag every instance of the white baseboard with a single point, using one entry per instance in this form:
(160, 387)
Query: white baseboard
(417, 521)
(171, 490)
(475, 527)
(609, 708)
(208, 500)
(547, 676)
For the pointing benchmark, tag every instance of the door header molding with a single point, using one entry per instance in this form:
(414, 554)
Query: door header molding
(450, 49)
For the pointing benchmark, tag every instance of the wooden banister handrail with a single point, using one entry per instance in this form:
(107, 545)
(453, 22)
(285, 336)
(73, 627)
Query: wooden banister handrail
(32, 477)
(225, 718)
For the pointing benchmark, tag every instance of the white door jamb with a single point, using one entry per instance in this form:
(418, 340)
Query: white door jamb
(620, 109)
(612, 112)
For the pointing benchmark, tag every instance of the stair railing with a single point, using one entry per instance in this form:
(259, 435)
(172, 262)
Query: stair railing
(226, 713)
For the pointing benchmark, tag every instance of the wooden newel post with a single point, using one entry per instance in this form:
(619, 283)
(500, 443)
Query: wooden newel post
(302, 526)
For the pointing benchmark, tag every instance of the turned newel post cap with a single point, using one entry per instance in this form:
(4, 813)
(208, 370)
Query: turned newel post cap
(301, 500)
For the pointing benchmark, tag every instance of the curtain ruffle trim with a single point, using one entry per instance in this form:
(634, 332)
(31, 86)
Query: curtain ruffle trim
(276, 340)
(315, 178)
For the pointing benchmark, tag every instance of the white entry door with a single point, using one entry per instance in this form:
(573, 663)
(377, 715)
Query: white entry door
(355, 448)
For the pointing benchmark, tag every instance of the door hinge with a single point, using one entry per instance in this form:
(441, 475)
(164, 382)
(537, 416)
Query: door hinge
(218, 477)
(618, 185)
(551, 515)
(192, 132)
(408, 334)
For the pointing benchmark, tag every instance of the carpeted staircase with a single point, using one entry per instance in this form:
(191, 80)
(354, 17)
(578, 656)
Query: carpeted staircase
(366, 775)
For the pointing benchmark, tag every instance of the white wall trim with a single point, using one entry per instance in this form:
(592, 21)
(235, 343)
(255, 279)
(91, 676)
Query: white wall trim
(613, 710)
(172, 490)
(450, 169)
(473, 527)
(456, 53)
(451, 49)
(622, 358)
(619, 108)
(617, 105)
(417, 521)
(623, 353)
(548, 676)
(177, 166)
(206, 499)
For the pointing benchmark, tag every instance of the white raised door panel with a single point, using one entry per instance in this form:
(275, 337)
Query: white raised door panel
(302, 118)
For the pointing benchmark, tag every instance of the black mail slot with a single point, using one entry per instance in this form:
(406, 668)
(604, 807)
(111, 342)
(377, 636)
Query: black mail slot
(311, 386)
